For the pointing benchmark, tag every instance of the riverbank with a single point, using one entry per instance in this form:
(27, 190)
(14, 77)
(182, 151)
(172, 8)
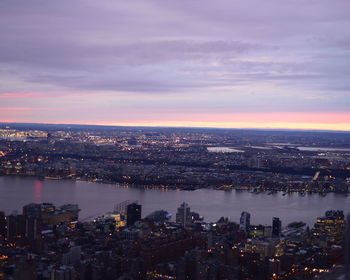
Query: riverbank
(254, 190)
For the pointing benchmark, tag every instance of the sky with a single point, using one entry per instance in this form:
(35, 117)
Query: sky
(235, 63)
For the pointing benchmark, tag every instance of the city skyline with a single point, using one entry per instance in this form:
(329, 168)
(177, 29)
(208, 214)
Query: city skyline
(188, 64)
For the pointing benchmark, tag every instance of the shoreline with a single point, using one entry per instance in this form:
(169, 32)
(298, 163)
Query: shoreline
(226, 188)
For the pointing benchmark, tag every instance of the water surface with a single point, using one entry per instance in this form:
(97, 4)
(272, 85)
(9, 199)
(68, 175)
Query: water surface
(223, 150)
(322, 149)
(96, 199)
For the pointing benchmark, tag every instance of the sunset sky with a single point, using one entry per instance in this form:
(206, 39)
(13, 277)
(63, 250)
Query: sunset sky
(246, 63)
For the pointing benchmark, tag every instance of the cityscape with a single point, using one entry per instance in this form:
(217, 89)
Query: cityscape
(49, 242)
(180, 158)
(46, 241)
(174, 140)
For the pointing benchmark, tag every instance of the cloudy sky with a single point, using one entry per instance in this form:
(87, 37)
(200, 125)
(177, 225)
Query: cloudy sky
(235, 63)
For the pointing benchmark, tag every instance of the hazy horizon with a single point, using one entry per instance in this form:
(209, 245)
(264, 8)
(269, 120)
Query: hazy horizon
(175, 127)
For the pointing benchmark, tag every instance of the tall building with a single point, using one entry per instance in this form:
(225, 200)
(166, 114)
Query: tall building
(2, 224)
(267, 231)
(244, 221)
(27, 225)
(16, 226)
(183, 215)
(48, 214)
(347, 250)
(276, 227)
(32, 210)
(330, 229)
(133, 214)
(32, 228)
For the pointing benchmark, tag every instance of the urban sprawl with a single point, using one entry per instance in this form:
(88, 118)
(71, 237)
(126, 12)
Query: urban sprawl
(48, 242)
(180, 158)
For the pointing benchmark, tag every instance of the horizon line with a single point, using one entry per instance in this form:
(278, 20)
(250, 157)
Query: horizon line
(150, 125)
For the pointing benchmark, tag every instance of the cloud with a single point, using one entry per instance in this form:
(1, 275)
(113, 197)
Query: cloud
(245, 55)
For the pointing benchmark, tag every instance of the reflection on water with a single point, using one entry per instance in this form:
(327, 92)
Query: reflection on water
(95, 199)
(38, 191)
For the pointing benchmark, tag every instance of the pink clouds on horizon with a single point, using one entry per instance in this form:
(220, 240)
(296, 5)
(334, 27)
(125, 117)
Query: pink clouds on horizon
(293, 120)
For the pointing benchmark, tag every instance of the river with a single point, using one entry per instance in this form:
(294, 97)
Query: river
(96, 199)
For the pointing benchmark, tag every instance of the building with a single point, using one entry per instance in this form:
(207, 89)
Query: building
(15, 226)
(32, 210)
(50, 215)
(36, 215)
(276, 227)
(330, 229)
(2, 224)
(347, 250)
(47, 208)
(159, 216)
(133, 214)
(119, 218)
(183, 215)
(32, 228)
(244, 222)
(267, 231)
(265, 248)
(73, 256)
(274, 266)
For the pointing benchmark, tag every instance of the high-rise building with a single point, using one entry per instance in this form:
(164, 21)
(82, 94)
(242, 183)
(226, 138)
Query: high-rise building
(183, 215)
(32, 210)
(133, 214)
(244, 221)
(276, 227)
(347, 250)
(47, 213)
(16, 226)
(2, 224)
(267, 231)
(330, 228)
(72, 256)
(27, 225)
(32, 228)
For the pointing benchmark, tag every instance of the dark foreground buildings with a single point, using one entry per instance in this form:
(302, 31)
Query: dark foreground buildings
(133, 214)
(276, 227)
(48, 243)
